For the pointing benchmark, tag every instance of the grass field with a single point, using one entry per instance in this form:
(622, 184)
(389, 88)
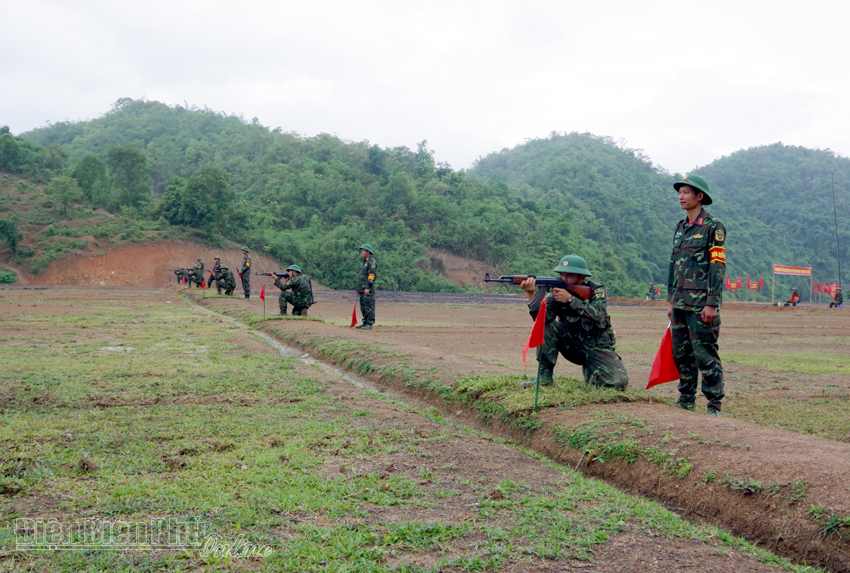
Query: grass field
(130, 406)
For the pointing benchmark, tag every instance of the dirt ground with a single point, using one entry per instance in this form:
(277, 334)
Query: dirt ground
(435, 335)
(462, 339)
(139, 265)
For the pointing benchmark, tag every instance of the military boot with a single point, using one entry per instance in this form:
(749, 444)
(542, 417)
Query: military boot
(714, 410)
(544, 374)
(685, 405)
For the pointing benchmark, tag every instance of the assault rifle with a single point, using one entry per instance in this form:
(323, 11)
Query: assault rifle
(543, 285)
(278, 275)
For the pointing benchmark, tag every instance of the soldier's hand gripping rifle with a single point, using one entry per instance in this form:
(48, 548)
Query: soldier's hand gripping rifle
(543, 284)
(277, 275)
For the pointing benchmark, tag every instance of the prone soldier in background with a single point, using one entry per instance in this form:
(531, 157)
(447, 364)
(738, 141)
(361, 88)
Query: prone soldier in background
(297, 290)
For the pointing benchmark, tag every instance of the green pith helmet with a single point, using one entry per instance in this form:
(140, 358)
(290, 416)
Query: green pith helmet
(697, 183)
(573, 264)
(368, 247)
(216, 258)
(196, 267)
(223, 267)
(246, 249)
(294, 268)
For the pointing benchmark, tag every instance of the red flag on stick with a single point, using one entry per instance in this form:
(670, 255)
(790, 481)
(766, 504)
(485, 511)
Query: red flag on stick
(761, 283)
(203, 283)
(263, 293)
(354, 315)
(663, 367)
(535, 339)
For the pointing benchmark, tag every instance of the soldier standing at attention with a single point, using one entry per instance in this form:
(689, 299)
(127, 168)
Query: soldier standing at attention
(578, 329)
(694, 291)
(300, 294)
(216, 268)
(366, 286)
(246, 272)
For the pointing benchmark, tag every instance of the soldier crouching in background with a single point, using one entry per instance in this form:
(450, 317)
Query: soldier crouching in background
(224, 280)
(297, 290)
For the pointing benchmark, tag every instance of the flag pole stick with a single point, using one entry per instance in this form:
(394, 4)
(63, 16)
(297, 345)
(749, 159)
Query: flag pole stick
(537, 389)
(835, 214)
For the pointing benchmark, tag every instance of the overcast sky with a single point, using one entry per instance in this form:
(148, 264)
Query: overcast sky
(685, 81)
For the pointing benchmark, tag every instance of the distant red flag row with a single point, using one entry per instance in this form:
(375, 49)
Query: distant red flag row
(751, 285)
(825, 288)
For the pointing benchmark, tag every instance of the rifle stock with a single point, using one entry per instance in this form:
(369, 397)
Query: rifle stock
(543, 284)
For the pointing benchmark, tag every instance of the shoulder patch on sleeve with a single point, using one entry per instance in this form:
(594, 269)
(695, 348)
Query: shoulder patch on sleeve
(717, 254)
(600, 292)
(719, 235)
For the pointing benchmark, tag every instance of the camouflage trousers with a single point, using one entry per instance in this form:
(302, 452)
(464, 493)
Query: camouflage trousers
(246, 283)
(695, 350)
(299, 305)
(600, 363)
(223, 286)
(367, 307)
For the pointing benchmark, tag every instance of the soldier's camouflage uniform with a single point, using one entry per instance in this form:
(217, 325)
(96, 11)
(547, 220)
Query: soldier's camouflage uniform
(297, 291)
(695, 280)
(224, 281)
(581, 331)
(215, 270)
(838, 300)
(366, 280)
(246, 275)
(181, 273)
(196, 277)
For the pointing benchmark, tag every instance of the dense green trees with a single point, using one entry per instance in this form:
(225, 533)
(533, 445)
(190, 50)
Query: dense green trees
(313, 200)
(65, 192)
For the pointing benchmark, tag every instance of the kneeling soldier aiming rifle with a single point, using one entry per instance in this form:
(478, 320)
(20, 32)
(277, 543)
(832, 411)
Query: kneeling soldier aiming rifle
(577, 324)
(300, 288)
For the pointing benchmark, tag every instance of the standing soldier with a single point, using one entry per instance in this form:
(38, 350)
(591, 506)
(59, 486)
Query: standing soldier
(215, 270)
(366, 286)
(224, 280)
(694, 291)
(245, 273)
(301, 292)
(200, 262)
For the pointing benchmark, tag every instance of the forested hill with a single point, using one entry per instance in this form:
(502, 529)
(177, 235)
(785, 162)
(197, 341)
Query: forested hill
(776, 201)
(314, 200)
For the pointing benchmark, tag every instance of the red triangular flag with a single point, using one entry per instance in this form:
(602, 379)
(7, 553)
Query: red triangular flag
(203, 283)
(184, 279)
(663, 367)
(263, 293)
(761, 283)
(354, 316)
(535, 339)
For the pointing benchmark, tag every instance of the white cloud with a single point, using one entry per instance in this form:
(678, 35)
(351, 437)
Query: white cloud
(685, 81)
